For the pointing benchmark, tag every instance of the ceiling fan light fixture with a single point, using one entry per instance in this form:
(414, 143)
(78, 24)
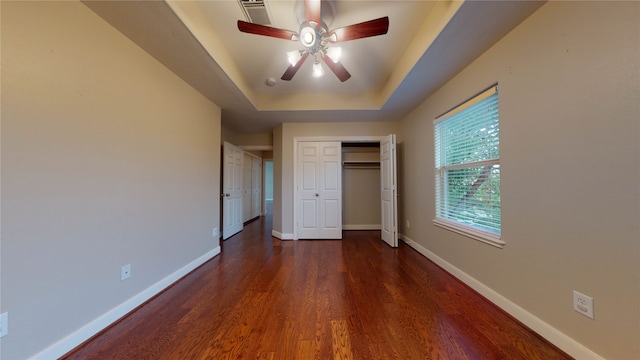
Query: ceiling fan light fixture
(294, 57)
(334, 53)
(307, 37)
(318, 71)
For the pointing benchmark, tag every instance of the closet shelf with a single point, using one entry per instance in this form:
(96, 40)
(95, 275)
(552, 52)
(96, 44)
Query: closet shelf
(361, 164)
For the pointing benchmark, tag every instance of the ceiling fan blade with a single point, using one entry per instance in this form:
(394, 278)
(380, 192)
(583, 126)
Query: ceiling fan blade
(361, 30)
(312, 11)
(258, 29)
(293, 69)
(337, 69)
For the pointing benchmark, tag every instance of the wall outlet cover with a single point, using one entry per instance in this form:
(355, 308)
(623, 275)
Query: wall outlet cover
(583, 304)
(125, 272)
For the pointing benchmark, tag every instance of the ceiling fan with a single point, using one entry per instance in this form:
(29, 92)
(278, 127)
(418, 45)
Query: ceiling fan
(315, 38)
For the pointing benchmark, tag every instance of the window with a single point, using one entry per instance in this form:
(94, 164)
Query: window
(467, 159)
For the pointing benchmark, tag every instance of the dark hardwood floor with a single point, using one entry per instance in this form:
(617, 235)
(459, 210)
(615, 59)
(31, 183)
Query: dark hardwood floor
(263, 298)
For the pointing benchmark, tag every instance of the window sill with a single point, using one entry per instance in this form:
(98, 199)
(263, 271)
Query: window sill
(483, 236)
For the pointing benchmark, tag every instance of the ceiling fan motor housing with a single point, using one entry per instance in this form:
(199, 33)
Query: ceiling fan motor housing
(313, 38)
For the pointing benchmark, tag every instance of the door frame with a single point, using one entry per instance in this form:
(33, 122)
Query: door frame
(264, 184)
(261, 148)
(253, 157)
(298, 139)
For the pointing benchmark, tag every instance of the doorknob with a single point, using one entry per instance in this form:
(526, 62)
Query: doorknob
(227, 194)
(317, 194)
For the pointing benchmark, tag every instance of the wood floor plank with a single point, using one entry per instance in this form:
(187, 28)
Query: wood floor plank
(263, 298)
(340, 340)
(305, 349)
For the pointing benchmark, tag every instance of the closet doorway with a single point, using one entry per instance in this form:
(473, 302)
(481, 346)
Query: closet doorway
(361, 186)
(387, 194)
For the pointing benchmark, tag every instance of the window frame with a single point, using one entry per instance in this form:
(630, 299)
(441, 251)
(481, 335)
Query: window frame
(486, 236)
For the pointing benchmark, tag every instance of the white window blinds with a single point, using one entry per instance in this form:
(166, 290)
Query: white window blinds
(467, 159)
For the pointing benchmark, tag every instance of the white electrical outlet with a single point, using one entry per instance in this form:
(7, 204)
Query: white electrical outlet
(4, 324)
(583, 304)
(125, 272)
(215, 233)
(408, 224)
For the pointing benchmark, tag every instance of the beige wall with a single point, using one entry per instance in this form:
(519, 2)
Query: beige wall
(262, 140)
(108, 159)
(252, 141)
(283, 138)
(278, 159)
(228, 136)
(569, 117)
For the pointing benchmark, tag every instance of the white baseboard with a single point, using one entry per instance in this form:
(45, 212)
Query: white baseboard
(551, 334)
(76, 338)
(362, 227)
(281, 236)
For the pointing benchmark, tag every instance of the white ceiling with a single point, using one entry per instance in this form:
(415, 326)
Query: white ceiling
(428, 42)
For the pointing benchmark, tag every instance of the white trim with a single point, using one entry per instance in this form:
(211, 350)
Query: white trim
(362, 227)
(551, 334)
(79, 336)
(257, 147)
(282, 236)
(250, 154)
(483, 236)
(492, 90)
(495, 161)
(339, 138)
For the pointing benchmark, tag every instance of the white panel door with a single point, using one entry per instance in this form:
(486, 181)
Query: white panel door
(319, 190)
(247, 188)
(330, 190)
(388, 190)
(308, 190)
(232, 190)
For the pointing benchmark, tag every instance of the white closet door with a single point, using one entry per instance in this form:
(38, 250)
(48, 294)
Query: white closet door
(232, 190)
(308, 190)
(319, 190)
(331, 190)
(388, 190)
